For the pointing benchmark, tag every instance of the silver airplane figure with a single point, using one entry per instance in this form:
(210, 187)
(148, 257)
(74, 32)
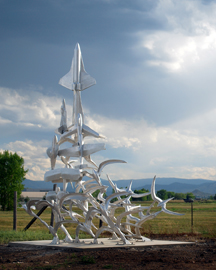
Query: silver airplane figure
(77, 80)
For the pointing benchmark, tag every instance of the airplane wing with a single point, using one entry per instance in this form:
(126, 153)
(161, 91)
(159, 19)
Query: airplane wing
(67, 80)
(89, 132)
(85, 79)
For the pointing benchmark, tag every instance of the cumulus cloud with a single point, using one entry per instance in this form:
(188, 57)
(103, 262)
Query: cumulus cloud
(187, 37)
(29, 108)
(35, 157)
(176, 150)
(24, 112)
(34, 154)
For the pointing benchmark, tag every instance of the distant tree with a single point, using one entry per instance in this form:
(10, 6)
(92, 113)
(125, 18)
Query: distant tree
(26, 199)
(21, 199)
(140, 191)
(162, 194)
(190, 195)
(95, 194)
(215, 197)
(180, 196)
(12, 174)
(124, 196)
(170, 194)
(114, 199)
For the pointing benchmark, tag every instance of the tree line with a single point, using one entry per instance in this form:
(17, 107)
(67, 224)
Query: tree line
(212, 197)
(163, 195)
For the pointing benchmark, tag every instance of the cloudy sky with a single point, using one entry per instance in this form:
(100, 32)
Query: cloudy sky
(154, 63)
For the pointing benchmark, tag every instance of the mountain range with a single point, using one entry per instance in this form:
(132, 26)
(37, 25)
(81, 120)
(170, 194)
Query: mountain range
(202, 187)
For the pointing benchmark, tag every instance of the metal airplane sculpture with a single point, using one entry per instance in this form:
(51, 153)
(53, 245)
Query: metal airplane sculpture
(74, 171)
(77, 79)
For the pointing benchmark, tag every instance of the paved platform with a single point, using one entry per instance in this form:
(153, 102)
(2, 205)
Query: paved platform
(104, 243)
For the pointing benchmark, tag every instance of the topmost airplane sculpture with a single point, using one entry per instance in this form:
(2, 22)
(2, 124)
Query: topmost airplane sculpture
(77, 80)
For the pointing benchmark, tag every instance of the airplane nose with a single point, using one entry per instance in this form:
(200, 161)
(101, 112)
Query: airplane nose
(77, 47)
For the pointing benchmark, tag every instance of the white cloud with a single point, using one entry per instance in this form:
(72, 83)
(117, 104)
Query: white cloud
(34, 154)
(179, 150)
(188, 38)
(29, 109)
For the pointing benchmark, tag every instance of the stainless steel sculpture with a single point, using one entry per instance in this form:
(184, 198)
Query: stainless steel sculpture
(77, 80)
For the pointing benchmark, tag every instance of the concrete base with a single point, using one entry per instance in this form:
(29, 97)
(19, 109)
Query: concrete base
(103, 243)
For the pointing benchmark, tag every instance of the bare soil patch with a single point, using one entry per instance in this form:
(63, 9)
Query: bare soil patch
(201, 255)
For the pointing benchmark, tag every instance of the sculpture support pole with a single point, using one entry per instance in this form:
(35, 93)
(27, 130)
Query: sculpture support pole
(52, 215)
(15, 211)
(100, 222)
(34, 219)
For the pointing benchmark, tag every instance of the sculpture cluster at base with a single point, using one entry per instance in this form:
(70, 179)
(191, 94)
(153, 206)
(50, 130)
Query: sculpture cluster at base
(65, 206)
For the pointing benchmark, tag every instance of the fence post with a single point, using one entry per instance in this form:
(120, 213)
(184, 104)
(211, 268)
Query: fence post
(15, 211)
(192, 217)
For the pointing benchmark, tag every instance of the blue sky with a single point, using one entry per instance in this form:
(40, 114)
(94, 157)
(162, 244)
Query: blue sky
(154, 63)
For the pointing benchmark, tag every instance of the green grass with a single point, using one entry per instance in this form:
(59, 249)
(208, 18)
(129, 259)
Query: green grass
(10, 235)
(204, 219)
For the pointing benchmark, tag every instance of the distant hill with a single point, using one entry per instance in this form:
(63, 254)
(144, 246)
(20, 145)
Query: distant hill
(199, 194)
(170, 184)
(207, 187)
(37, 185)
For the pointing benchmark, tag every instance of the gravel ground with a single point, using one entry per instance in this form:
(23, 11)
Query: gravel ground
(201, 255)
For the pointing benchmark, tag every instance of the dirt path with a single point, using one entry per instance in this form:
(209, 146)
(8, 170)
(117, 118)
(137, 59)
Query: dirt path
(201, 255)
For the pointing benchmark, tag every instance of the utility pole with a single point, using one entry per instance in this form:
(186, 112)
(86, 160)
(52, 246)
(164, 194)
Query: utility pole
(189, 200)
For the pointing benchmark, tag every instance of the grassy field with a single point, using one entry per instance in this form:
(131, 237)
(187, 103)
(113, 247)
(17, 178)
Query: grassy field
(204, 222)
